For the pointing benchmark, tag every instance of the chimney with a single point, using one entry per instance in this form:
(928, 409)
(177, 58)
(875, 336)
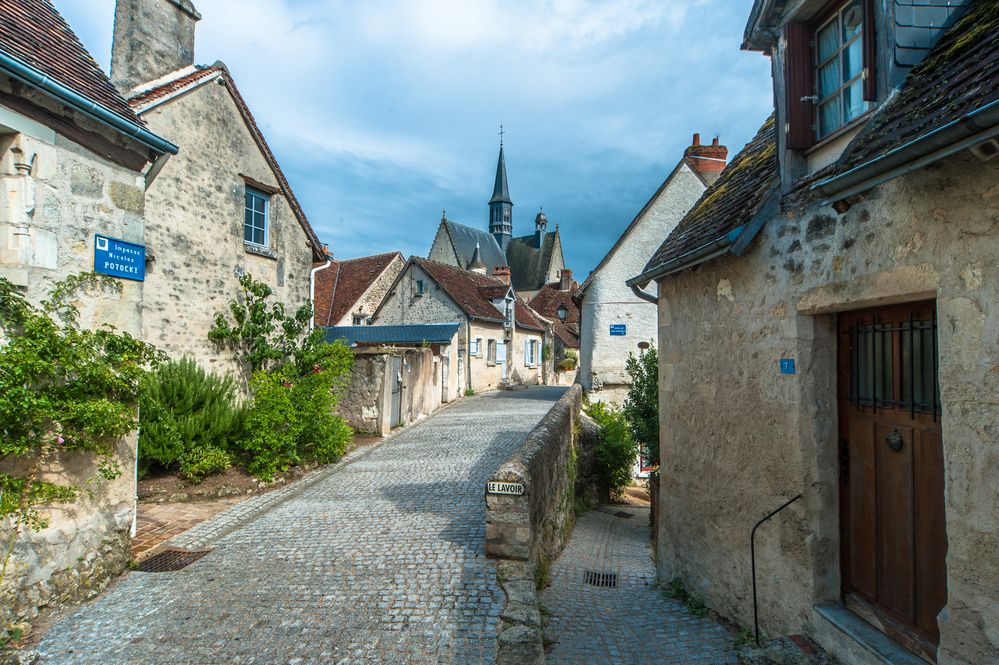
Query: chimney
(565, 279)
(707, 160)
(152, 38)
(502, 273)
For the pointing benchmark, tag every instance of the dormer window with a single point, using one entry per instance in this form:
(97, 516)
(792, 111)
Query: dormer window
(839, 69)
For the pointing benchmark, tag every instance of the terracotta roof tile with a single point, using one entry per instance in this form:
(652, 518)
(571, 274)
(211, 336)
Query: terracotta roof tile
(35, 33)
(546, 304)
(472, 292)
(959, 75)
(526, 318)
(146, 96)
(729, 202)
(339, 287)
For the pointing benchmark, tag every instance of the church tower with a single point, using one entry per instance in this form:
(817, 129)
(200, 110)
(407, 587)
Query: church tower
(500, 205)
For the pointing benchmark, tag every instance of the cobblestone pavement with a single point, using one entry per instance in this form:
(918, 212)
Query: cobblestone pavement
(377, 560)
(631, 624)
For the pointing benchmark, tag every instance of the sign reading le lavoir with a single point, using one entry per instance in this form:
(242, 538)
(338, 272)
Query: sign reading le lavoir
(505, 488)
(119, 258)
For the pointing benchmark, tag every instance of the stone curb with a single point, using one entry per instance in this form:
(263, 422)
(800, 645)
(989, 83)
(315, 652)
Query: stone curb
(521, 636)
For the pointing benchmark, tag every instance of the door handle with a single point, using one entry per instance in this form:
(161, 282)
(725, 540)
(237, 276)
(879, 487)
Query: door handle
(894, 440)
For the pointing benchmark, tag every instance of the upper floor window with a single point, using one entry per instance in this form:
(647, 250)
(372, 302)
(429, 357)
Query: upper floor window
(419, 287)
(255, 218)
(839, 69)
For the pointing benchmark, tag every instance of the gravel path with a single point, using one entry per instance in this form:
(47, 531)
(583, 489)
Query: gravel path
(376, 560)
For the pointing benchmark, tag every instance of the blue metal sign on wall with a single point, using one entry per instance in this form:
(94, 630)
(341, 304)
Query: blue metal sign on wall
(618, 329)
(119, 258)
(787, 366)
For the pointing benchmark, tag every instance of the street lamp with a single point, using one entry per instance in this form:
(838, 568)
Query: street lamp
(562, 313)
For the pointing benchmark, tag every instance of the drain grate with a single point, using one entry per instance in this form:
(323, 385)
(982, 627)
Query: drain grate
(170, 560)
(621, 513)
(594, 578)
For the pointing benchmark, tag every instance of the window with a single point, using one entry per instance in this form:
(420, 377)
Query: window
(474, 346)
(419, 287)
(255, 217)
(358, 319)
(839, 69)
(491, 352)
(531, 352)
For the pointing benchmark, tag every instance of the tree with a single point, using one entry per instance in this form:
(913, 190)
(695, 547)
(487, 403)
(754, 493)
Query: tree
(641, 407)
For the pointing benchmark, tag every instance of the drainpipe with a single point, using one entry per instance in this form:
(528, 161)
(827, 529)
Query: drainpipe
(135, 485)
(312, 290)
(468, 351)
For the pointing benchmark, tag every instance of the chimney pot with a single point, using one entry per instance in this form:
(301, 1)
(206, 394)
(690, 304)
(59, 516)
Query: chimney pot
(565, 279)
(714, 141)
(502, 273)
(697, 140)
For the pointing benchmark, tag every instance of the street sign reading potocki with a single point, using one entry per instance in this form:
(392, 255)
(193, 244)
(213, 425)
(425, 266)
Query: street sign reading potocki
(515, 489)
(119, 258)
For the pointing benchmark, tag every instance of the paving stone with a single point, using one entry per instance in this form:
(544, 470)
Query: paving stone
(380, 559)
(631, 623)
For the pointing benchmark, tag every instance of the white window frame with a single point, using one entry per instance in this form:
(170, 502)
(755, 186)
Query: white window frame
(475, 347)
(252, 192)
(491, 352)
(837, 96)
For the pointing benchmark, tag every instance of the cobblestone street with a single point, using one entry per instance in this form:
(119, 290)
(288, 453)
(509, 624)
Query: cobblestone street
(632, 623)
(377, 560)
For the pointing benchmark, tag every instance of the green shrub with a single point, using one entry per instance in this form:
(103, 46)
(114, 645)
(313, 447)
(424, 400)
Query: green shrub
(568, 361)
(641, 407)
(469, 392)
(292, 419)
(188, 416)
(616, 451)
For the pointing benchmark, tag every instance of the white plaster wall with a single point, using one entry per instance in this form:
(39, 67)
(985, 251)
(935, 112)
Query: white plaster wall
(521, 372)
(608, 300)
(484, 375)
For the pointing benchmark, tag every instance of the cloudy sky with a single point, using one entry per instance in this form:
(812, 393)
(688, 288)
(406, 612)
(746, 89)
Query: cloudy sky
(384, 112)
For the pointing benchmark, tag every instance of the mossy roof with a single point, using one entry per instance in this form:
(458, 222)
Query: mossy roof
(959, 75)
(729, 202)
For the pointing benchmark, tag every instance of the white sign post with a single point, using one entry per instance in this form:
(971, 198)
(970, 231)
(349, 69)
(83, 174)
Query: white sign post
(515, 489)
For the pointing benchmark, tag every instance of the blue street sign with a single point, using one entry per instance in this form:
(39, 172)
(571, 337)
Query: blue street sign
(787, 366)
(119, 258)
(618, 329)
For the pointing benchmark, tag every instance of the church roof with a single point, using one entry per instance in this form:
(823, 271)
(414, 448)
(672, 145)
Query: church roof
(501, 190)
(528, 263)
(36, 34)
(471, 291)
(339, 287)
(464, 240)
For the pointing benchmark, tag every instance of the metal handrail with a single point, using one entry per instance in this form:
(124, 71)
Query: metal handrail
(752, 557)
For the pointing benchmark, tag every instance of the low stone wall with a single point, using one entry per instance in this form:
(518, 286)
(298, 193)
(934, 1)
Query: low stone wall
(529, 513)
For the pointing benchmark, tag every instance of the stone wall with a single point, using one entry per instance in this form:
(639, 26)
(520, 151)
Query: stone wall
(738, 438)
(484, 375)
(607, 300)
(372, 298)
(194, 227)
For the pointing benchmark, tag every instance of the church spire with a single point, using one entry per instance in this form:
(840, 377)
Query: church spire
(500, 205)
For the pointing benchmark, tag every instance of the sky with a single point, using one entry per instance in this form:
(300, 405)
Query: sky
(383, 113)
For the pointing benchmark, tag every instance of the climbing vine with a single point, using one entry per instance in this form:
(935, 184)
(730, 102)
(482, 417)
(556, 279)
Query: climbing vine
(63, 388)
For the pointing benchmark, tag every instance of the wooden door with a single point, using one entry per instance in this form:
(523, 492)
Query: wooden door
(891, 475)
(395, 418)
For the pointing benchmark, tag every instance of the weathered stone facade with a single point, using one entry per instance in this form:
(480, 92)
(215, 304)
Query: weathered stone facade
(723, 328)
(607, 300)
(194, 228)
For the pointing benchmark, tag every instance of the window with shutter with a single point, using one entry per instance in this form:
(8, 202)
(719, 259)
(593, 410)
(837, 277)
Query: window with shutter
(798, 85)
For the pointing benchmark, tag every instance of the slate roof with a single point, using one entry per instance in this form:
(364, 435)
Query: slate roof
(529, 264)
(145, 97)
(471, 291)
(35, 33)
(464, 238)
(959, 75)
(526, 318)
(546, 304)
(339, 287)
(501, 190)
(433, 333)
(729, 202)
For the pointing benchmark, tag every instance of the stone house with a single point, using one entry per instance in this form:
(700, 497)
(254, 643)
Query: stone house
(614, 321)
(556, 302)
(75, 162)
(347, 293)
(223, 207)
(500, 339)
(838, 341)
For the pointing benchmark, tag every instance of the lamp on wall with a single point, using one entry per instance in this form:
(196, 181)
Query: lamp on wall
(562, 312)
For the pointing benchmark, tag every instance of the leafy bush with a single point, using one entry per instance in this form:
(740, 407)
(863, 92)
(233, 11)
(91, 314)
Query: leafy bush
(641, 407)
(615, 454)
(188, 416)
(568, 362)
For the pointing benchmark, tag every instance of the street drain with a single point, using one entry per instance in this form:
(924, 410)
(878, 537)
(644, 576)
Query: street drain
(621, 513)
(170, 560)
(594, 578)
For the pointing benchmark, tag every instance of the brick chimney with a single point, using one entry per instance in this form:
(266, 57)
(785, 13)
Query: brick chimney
(152, 38)
(502, 273)
(565, 279)
(707, 160)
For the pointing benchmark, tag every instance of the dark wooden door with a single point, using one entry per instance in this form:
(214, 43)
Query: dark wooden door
(894, 540)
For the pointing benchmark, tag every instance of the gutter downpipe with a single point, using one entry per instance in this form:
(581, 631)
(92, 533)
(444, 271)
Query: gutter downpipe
(45, 83)
(312, 290)
(948, 140)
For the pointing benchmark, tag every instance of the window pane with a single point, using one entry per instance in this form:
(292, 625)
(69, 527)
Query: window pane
(853, 20)
(827, 41)
(829, 117)
(853, 101)
(258, 236)
(829, 79)
(247, 233)
(918, 380)
(853, 59)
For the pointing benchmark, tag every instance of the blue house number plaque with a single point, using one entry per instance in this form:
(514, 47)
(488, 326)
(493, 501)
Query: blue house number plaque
(787, 366)
(119, 258)
(618, 329)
